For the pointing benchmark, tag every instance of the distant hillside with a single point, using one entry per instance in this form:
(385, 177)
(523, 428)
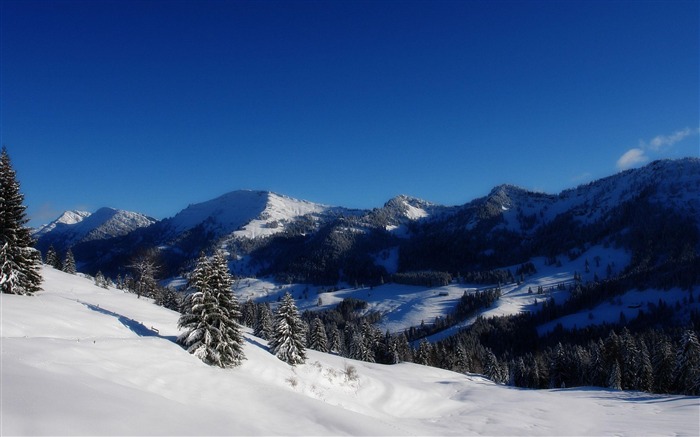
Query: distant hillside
(653, 213)
(76, 227)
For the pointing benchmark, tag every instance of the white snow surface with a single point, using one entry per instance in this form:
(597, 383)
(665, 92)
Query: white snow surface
(403, 306)
(245, 213)
(82, 360)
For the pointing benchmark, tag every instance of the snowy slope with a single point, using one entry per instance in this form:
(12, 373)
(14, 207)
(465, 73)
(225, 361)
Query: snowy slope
(81, 360)
(403, 306)
(244, 213)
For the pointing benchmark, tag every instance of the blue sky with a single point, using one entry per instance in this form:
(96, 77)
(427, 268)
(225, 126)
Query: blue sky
(152, 105)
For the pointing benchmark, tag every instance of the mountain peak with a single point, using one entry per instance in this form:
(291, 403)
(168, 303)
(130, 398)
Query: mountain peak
(245, 213)
(73, 227)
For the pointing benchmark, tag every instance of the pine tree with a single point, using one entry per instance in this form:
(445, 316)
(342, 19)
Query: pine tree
(69, 263)
(335, 340)
(615, 377)
(461, 363)
(146, 266)
(100, 280)
(287, 341)
(646, 370)
(211, 314)
(394, 356)
(688, 364)
(52, 258)
(318, 338)
(492, 369)
(424, 353)
(663, 363)
(263, 323)
(19, 261)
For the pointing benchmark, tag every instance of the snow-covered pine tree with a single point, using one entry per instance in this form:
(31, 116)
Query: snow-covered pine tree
(263, 323)
(287, 342)
(69, 263)
(424, 353)
(100, 280)
(19, 260)
(336, 341)
(211, 314)
(615, 377)
(52, 258)
(688, 364)
(318, 339)
(492, 368)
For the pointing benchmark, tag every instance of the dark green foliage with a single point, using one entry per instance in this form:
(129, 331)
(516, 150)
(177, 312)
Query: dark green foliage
(19, 260)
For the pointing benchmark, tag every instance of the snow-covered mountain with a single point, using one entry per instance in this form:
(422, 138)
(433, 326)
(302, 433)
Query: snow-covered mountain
(68, 218)
(276, 234)
(74, 227)
(673, 183)
(243, 213)
(82, 360)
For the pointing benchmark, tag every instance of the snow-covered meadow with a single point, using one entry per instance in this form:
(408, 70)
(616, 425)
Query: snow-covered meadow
(82, 360)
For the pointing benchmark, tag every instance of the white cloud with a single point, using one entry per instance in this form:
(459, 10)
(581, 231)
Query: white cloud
(631, 158)
(658, 144)
(665, 141)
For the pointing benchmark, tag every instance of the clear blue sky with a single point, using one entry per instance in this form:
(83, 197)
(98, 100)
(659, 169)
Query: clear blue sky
(152, 105)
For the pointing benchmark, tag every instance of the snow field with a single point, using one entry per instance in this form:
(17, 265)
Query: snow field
(70, 367)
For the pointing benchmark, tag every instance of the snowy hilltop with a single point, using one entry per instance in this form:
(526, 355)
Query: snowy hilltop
(75, 227)
(78, 359)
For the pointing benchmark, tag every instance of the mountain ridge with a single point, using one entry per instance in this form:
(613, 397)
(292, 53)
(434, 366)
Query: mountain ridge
(270, 233)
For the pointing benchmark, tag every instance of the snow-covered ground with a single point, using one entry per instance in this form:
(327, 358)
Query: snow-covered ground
(81, 360)
(403, 306)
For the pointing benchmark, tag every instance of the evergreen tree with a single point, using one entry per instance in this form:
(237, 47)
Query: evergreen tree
(287, 341)
(492, 369)
(615, 377)
(424, 353)
(358, 347)
(69, 263)
(394, 356)
(146, 266)
(663, 363)
(631, 362)
(646, 370)
(263, 323)
(167, 297)
(335, 340)
(318, 339)
(52, 258)
(249, 311)
(100, 280)
(211, 314)
(19, 261)
(688, 364)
